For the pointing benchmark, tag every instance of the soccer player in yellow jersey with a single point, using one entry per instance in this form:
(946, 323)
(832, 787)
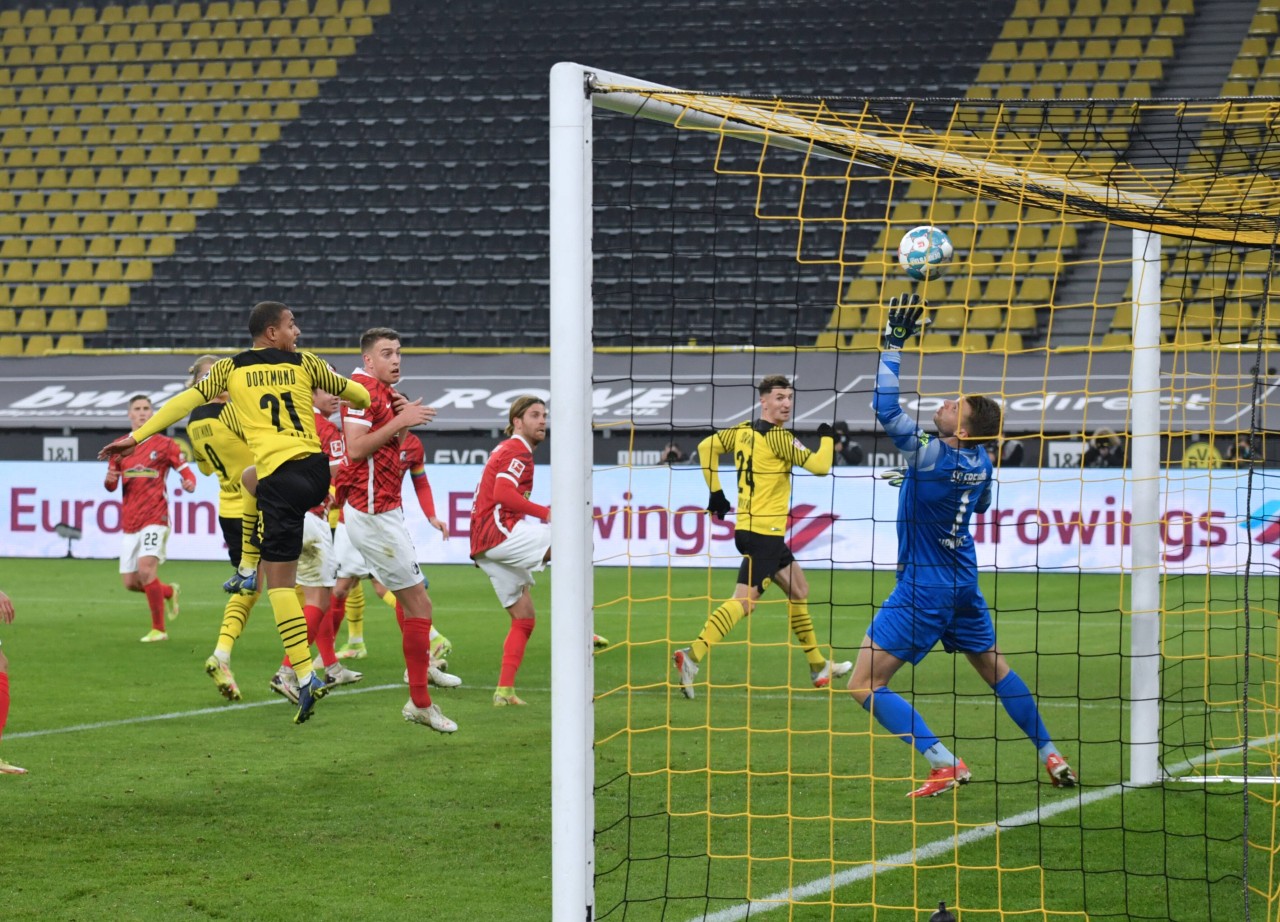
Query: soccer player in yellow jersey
(219, 449)
(764, 453)
(270, 387)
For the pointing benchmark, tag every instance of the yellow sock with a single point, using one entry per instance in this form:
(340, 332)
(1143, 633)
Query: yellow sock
(355, 613)
(718, 625)
(292, 625)
(234, 617)
(248, 532)
(802, 627)
(301, 594)
(389, 599)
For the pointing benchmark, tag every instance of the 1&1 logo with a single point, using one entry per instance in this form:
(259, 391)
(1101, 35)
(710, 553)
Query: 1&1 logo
(1266, 524)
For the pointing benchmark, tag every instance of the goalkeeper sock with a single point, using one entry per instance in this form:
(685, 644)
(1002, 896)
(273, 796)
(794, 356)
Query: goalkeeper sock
(248, 533)
(512, 650)
(802, 627)
(154, 591)
(355, 612)
(389, 598)
(1021, 706)
(292, 625)
(717, 627)
(895, 714)
(415, 636)
(235, 614)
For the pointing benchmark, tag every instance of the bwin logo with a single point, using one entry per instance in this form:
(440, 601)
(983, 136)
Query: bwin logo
(1265, 523)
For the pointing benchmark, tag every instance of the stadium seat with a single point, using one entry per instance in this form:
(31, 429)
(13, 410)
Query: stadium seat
(10, 346)
(38, 344)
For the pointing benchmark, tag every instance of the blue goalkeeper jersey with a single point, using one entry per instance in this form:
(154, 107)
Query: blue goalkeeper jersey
(940, 491)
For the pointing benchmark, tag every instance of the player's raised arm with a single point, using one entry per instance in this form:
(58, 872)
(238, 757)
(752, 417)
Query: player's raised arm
(329, 381)
(905, 320)
(176, 408)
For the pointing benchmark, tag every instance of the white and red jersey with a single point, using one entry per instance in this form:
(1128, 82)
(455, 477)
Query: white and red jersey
(143, 471)
(502, 499)
(373, 485)
(335, 449)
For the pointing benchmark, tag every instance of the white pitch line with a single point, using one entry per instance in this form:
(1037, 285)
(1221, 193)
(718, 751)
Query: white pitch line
(781, 898)
(176, 715)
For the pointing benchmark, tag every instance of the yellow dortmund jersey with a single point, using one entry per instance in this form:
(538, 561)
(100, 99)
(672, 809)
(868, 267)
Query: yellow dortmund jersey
(271, 392)
(219, 449)
(763, 455)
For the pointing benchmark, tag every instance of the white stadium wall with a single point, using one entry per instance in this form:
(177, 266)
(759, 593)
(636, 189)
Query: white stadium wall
(1047, 520)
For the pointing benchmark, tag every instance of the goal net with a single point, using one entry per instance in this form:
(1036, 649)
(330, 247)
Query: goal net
(1111, 290)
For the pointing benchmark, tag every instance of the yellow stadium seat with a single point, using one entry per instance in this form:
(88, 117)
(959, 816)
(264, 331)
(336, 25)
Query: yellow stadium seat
(8, 320)
(93, 320)
(378, 7)
(948, 318)
(62, 319)
(71, 247)
(138, 270)
(269, 9)
(828, 339)
(85, 296)
(13, 248)
(10, 346)
(31, 319)
(38, 344)
(352, 8)
(160, 247)
(115, 296)
(109, 270)
(131, 248)
(1006, 342)
(1020, 317)
(936, 342)
(325, 8)
(69, 342)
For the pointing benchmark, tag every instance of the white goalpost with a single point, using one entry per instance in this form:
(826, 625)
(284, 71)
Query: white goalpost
(571, 102)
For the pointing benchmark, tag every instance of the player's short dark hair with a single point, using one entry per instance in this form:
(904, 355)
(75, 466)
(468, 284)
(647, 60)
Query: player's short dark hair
(773, 382)
(374, 334)
(136, 397)
(984, 420)
(519, 408)
(265, 314)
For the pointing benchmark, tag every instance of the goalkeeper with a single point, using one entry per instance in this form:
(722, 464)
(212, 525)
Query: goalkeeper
(765, 452)
(937, 597)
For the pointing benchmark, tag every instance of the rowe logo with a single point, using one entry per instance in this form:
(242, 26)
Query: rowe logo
(625, 403)
(1266, 523)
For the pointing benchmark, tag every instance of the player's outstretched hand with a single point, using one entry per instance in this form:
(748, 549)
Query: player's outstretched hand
(718, 505)
(905, 313)
(826, 431)
(120, 446)
(6, 609)
(440, 527)
(895, 476)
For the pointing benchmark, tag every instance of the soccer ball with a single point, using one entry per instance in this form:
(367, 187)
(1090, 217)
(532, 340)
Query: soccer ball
(925, 252)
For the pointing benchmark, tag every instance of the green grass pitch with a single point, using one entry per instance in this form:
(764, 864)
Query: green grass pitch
(150, 797)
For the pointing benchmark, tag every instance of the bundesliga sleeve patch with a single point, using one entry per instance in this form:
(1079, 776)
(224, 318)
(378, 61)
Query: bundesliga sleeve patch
(516, 467)
(795, 443)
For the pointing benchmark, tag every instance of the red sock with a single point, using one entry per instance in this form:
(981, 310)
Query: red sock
(155, 601)
(513, 650)
(415, 639)
(400, 615)
(4, 699)
(323, 630)
(337, 611)
(166, 589)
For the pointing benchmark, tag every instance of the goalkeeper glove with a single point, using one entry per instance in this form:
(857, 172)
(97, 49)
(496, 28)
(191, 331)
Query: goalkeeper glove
(905, 313)
(895, 476)
(717, 505)
(826, 431)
